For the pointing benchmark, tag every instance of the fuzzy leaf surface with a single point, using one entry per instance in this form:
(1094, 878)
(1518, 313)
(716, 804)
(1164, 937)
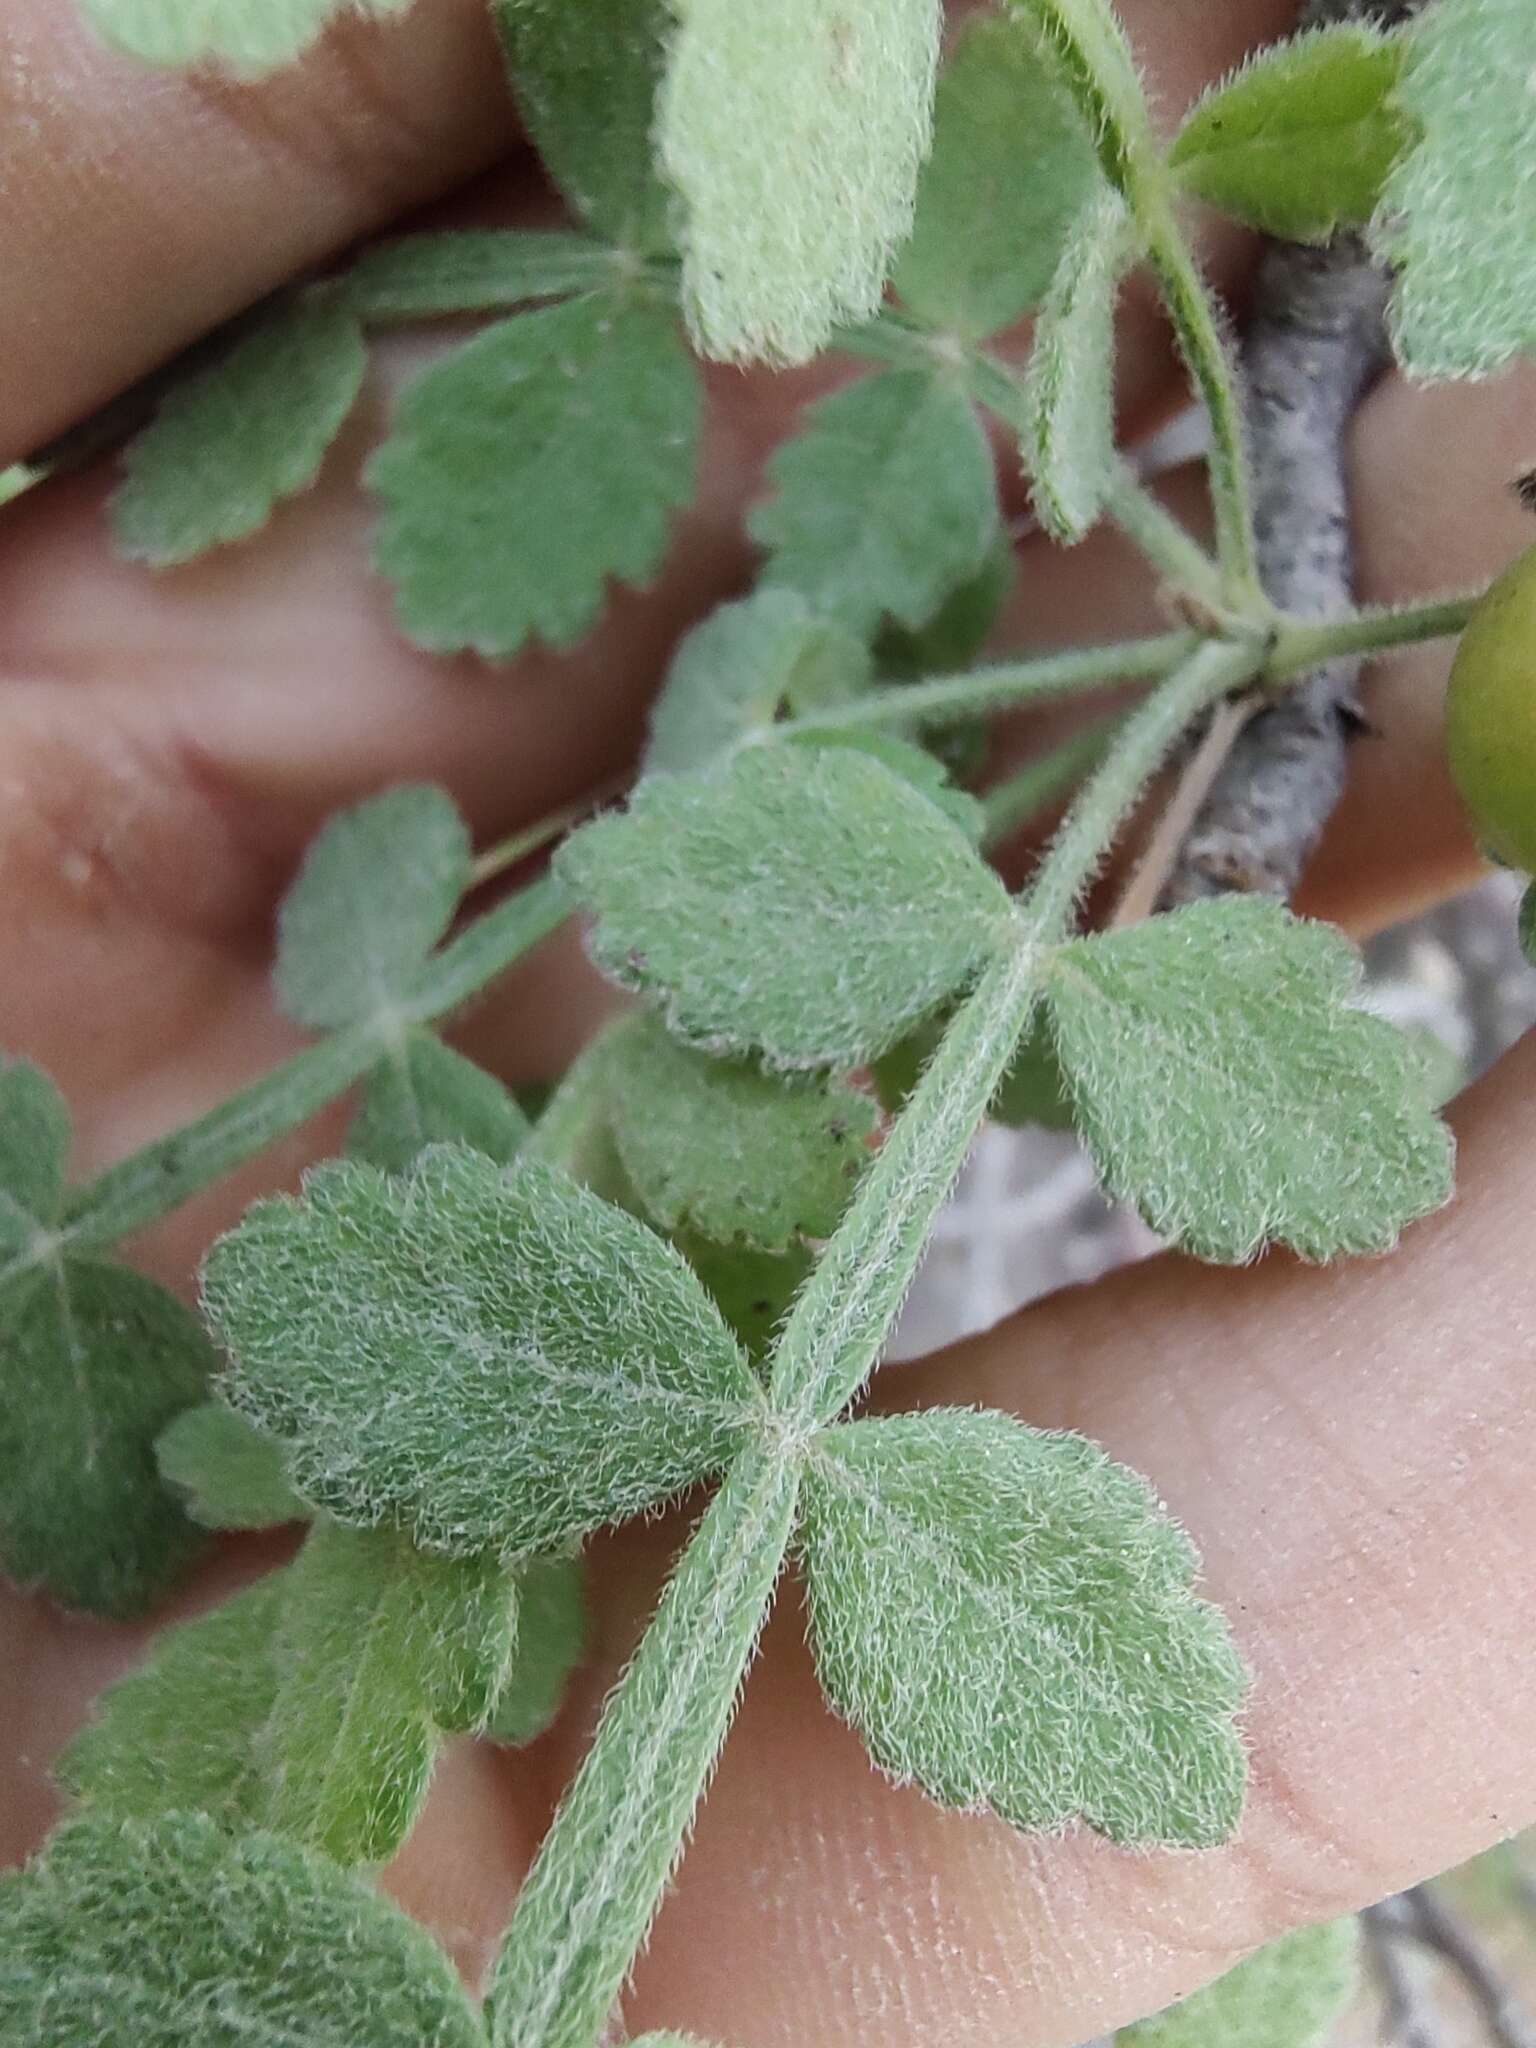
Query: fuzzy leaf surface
(494, 1359)
(925, 772)
(958, 631)
(1300, 142)
(543, 458)
(424, 1094)
(806, 905)
(751, 1288)
(169, 1934)
(35, 1136)
(795, 137)
(1458, 217)
(585, 79)
(721, 1148)
(229, 1475)
(238, 437)
(742, 668)
(1069, 386)
(250, 36)
(378, 889)
(1226, 1084)
(551, 1642)
(1012, 165)
(884, 503)
(1287, 1995)
(1007, 1619)
(423, 277)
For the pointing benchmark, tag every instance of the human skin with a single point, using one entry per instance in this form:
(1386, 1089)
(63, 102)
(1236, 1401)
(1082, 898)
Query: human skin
(1350, 1448)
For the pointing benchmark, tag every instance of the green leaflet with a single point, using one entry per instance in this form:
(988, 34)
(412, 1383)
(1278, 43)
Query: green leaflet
(207, 1942)
(1528, 924)
(248, 35)
(752, 1289)
(1012, 165)
(95, 1361)
(1300, 142)
(1288, 1995)
(1226, 1084)
(378, 889)
(494, 1359)
(585, 79)
(742, 668)
(722, 1149)
(1458, 216)
(1069, 386)
(239, 436)
(1007, 1619)
(551, 1642)
(884, 504)
(804, 904)
(958, 631)
(795, 137)
(423, 277)
(232, 1477)
(424, 1094)
(914, 764)
(542, 459)
(1031, 1091)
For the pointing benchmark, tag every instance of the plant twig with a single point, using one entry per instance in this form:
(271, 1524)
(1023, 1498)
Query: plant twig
(1146, 886)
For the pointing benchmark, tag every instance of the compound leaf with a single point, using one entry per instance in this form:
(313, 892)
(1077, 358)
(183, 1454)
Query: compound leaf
(250, 36)
(424, 1094)
(495, 1359)
(1006, 1617)
(551, 1642)
(229, 1474)
(742, 668)
(1012, 165)
(795, 138)
(1287, 1995)
(885, 503)
(585, 79)
(421, 277)
(209, 1942)
(1227, 1085)
(378, 889)
(539, 461)
(1069, 386)
(724, 1150)
(808, 905)
(1458, 217)
(239, 436)
(96, 1362)
(1299, 143)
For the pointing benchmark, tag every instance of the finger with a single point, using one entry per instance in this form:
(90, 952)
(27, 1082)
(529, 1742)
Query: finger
(144, 208)
(1351, 1449)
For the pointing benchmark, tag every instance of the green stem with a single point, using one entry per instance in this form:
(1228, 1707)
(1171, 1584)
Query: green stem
(1015, 802)
(1171, 549)
(572, 1114)
(598, 1880)
(1300, 645)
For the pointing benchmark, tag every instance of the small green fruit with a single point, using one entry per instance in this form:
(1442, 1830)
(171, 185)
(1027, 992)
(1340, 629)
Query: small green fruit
(1490, 716)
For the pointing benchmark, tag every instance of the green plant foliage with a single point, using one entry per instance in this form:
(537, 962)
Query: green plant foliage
(1227, 1085)
(1301, 140)
(240, 435)
(34, 1148)
(495, 1359)
(1006, 1618)
(205, 1942)
(795, 137)
(1465, 303)
(425, 277)
(1033, 1090)
(585, 79)
(806, 905)
(424, 1094)
(377, 891)
(744, 667)
(1288, 1995)
(959, 629)
(751, 1289)
(180, 1733)
(230, 1475)
(1012, 165)
(1528, 924)
(551, 1642)
(1069, 388)
(539, 461)
(924, 772)
(668, 2041)
(724, 1150)
(248, 35)
(884, 504)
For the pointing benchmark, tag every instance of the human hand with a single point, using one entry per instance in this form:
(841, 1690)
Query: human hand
(1348, 1447)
